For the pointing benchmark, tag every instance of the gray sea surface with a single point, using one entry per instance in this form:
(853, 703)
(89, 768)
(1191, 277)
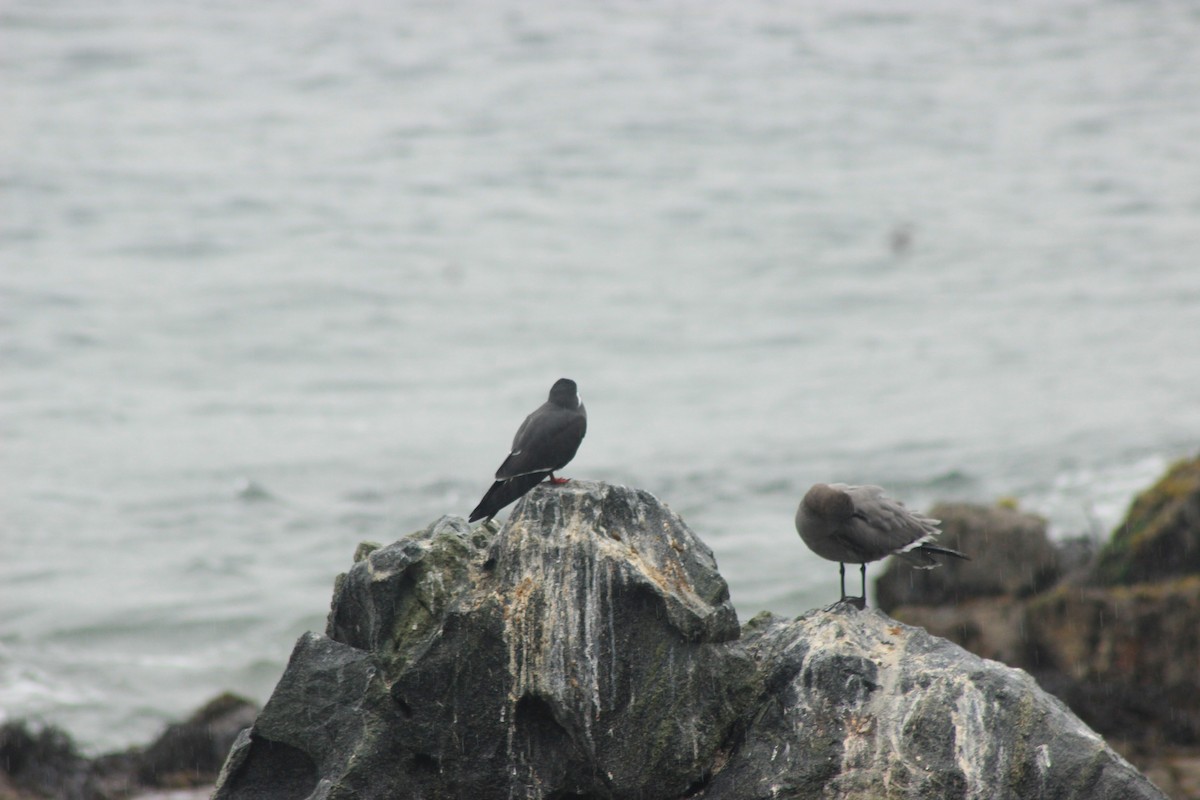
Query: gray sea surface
(277, 278)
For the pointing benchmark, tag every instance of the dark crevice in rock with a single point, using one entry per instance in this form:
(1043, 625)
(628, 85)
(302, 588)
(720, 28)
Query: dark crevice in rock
(697, 786)
(274, 770)
(423, 762)
(535, 721)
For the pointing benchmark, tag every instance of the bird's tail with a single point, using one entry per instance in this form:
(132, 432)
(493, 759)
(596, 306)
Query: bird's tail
(501, 493)
(943, 551)
(922, 557)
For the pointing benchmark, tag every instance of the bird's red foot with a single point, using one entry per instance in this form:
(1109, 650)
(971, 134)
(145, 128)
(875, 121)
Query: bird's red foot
(558, 481)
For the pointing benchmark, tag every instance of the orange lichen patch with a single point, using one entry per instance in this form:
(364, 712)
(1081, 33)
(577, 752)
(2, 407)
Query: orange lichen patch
(518, 601)
(679, 577)
(523, 590)
(894, 630)
(860, 725)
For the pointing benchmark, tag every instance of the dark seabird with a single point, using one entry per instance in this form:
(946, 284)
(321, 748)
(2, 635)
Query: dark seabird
(858, 524)
(546, 441)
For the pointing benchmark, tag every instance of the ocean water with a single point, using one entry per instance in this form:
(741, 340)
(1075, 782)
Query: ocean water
(275, 279)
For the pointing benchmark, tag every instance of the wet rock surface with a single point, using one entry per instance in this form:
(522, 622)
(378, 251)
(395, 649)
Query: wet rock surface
(589, 650)
(1126, 658)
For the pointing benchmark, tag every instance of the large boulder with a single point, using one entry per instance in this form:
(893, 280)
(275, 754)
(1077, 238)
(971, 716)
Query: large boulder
(1160, 537)
(589, 650)
(190, 753)
(1010, 554)
(856, 705)
(571, 653)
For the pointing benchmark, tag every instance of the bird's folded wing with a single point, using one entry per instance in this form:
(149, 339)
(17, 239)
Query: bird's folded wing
(882, 526)
(546, 441)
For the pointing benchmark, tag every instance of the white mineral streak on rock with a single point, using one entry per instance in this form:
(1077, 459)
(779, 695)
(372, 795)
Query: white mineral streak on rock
(559, 626)
(970, 719)
(555, 625)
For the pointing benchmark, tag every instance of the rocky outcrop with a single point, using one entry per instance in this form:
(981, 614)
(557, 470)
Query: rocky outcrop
(859, 706)
(1118, 639)
(1160, 537)
(589, 650)
(461, 663)
(1010, 555)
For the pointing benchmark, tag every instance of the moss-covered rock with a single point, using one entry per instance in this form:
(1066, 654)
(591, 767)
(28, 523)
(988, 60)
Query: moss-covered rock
(1160, 537)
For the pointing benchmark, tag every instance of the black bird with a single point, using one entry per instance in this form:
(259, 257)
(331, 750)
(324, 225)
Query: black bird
(546, 441)
(859, 524)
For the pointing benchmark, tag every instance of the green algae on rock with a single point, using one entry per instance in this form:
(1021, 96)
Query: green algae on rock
(1160, 537)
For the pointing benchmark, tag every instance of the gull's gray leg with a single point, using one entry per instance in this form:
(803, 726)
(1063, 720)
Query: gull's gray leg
(857, 602)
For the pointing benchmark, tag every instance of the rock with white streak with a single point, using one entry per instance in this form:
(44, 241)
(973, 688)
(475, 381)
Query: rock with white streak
(856, 705)
(589, 649)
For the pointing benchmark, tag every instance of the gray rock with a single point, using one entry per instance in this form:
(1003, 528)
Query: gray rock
(589, 649)
(1009, 552)
(859, 706)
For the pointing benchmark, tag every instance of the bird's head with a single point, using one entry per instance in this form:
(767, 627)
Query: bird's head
(824, 501)
(565, 393)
